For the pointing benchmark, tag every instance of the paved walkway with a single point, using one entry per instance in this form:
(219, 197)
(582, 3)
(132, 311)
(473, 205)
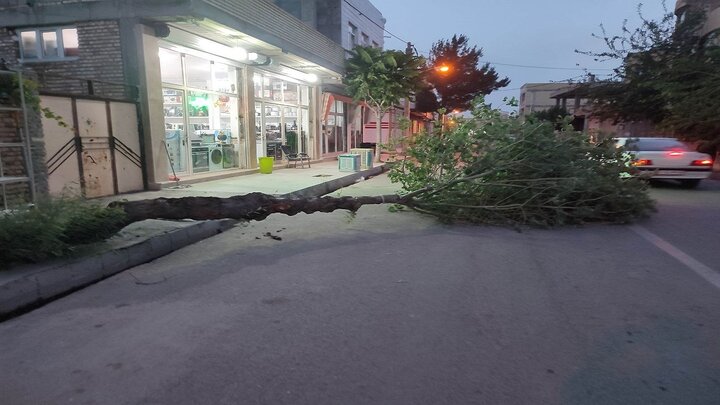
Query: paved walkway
(25, 287)
(281, 181)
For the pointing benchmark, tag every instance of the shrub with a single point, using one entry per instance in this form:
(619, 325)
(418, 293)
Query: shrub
(54, 228)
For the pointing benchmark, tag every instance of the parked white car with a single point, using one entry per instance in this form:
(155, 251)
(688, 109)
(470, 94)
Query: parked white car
(667, 158)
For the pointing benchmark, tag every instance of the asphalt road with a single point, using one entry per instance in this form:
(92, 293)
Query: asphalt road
(391, 308)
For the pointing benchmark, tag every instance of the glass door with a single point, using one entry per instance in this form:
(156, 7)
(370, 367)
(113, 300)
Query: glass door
(290, 118)
(273, 131)
(259, 125)
(175, 130)
(304, 124)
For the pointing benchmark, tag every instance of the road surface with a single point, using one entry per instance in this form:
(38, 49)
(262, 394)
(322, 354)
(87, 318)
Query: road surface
(393, 308)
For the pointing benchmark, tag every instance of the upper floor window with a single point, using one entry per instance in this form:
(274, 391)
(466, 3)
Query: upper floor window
(48, 43)
(352, 34)
(375, 44)
(365, 39)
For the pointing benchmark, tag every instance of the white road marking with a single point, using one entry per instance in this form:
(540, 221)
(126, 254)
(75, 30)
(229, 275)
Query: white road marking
(710, 275)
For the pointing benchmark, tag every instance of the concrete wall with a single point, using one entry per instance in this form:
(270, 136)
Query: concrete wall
(368, 19)
(331, 18)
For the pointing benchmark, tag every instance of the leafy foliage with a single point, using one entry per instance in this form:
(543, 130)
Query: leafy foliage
(464, 80)
(668, 75)
(52, 228)
(498, 170)
(381, 78)
(556, 115)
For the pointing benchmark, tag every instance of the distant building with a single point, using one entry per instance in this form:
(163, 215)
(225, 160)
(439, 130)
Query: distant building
(710, 32)
(536, 97)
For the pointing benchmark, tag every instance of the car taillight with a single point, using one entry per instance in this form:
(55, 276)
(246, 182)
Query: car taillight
(702, 162)
(642, 162)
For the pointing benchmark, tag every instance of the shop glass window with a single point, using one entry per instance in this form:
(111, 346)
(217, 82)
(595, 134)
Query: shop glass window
(198, 72)
(276, 86)
(267, 90)
(330, 134)
(258, 85)
(48, 44)
(290, 115)
(291, 93)
(170, 66)
(304, 95)
(224, 78)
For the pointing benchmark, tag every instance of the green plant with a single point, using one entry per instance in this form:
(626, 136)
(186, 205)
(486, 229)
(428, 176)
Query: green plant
(10, 95)
(381, 78)
(54, 228)
(500, 170)
(291, 140)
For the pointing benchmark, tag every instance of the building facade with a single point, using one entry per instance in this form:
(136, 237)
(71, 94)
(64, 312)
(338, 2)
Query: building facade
(347, 22)
(535, 97)
(345, 124)
(210, 86)
(710, 31)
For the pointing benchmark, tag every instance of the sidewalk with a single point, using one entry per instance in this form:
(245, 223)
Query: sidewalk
(27, 287)
(308, 181)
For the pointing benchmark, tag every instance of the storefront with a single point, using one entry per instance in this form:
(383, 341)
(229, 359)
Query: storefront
(281, 115)
(204, 100)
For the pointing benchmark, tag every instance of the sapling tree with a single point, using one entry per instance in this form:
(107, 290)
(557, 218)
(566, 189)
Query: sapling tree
(380, 78)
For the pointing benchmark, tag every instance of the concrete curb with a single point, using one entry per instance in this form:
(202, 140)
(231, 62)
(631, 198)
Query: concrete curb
(333, 185)
(30, 287)
(24, 289)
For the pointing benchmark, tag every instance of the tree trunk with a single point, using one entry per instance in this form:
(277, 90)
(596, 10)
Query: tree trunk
(255, 206)
(379, 135)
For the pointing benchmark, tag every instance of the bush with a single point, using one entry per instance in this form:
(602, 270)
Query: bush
(54, 228)
(498, 170)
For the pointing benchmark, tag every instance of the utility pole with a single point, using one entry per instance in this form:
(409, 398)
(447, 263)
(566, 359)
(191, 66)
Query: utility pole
(408, 131)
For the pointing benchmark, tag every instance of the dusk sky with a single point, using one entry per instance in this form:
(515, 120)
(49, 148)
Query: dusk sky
(518, 32)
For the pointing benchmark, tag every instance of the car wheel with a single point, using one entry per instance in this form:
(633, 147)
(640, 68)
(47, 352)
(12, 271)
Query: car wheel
(689, 183)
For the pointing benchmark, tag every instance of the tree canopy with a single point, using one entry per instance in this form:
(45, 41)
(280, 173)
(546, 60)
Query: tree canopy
(669, 75)
(380, 78)
(455, 87)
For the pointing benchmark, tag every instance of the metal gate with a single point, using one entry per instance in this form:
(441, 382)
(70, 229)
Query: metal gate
(93, 146)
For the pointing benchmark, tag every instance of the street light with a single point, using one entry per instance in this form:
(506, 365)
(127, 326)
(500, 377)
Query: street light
(443, 68)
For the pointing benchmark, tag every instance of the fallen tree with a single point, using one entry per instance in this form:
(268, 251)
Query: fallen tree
(489, 169)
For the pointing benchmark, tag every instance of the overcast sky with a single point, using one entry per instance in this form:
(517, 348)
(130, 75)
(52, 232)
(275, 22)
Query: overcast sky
(517, 32)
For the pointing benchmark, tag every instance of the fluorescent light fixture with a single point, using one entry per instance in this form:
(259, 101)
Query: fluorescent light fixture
(252, 56)
(240, 53)
(296, 74)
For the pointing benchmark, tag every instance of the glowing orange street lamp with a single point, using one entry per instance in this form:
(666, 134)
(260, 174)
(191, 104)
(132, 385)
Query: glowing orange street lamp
(443, 68)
